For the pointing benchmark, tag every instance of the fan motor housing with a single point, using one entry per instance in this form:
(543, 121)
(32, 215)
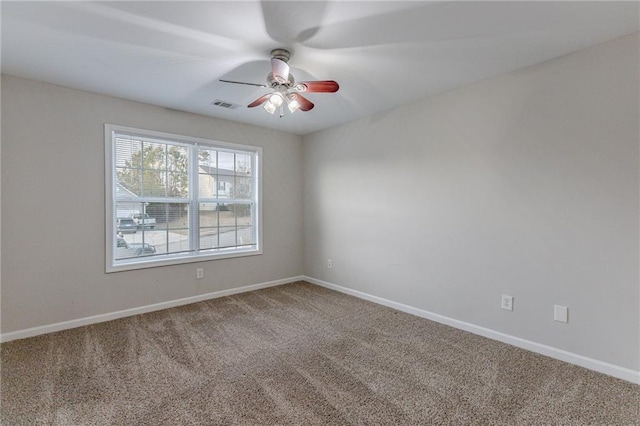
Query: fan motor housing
(282, 54)
(272, 82)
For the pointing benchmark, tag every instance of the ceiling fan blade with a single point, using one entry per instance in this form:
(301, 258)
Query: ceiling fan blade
(325, 86)
(280, 70)
(293, 22)
(242, 82)
(305, 104)
(259, 101)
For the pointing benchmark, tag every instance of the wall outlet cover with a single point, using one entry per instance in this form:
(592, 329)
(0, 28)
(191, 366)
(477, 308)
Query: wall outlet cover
(507, 302)
(560, 313)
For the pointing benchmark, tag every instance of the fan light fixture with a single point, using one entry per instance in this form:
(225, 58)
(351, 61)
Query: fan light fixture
(292, 102)
(281, 81)
(275, 100)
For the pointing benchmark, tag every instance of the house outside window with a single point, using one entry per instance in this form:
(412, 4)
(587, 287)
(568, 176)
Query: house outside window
(176, 199)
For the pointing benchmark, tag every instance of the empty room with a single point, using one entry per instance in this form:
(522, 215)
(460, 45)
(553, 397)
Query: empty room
(320, 212)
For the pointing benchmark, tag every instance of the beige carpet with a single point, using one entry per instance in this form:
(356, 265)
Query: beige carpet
(296, 354)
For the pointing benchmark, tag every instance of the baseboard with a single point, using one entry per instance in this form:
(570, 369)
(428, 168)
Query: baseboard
(562, 355)
(65, 325)
(572, 358)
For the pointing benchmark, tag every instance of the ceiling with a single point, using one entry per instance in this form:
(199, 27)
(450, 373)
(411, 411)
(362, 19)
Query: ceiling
(383, 54)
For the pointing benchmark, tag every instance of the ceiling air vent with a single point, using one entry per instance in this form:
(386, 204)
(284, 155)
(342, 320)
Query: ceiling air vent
(225, 104)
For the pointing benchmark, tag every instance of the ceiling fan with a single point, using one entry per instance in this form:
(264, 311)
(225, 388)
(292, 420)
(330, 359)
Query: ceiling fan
(285, 88)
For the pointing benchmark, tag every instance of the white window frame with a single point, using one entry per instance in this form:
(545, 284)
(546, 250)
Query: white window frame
(195, 255)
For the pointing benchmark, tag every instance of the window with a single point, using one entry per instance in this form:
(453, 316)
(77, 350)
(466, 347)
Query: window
(175, 199)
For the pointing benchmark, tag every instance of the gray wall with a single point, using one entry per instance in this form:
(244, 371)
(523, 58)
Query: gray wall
(53, 208)
(525, 184)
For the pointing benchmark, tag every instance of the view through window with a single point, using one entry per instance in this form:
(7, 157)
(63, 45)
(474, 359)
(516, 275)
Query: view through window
(175, 199)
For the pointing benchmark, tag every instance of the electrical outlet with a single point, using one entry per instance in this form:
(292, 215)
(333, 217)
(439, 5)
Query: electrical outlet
(507, 302)
(560, 313)
(329, 263)
(199, 273)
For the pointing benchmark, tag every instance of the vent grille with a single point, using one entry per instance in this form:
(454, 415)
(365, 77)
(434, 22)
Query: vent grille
(224, 104)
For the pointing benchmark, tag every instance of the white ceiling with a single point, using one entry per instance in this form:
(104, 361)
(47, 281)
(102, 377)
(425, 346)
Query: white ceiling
(383, 54)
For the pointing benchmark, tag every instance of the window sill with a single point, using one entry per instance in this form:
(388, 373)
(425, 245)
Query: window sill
(177, 259)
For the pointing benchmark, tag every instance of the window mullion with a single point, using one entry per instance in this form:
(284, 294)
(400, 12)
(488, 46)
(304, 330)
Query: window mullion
(255, 197)
(194, 216)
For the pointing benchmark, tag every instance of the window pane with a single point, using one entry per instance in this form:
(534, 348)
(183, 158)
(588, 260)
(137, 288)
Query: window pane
(227, 237)
(207, 157)
(243, 214)
(209, 225)
(158, 212)
(128, 153)
(226, 163)
(129, 182)
(178, 159)
(243, 165)
(154, 156)
(178, 185)
(178, 216)
(243, 187)
(207, 182)
(208, 215)
(153, 183)
(224, 186)
(244, 223)
(178, 228)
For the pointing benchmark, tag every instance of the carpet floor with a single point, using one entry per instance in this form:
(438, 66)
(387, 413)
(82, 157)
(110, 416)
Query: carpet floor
(296, 354)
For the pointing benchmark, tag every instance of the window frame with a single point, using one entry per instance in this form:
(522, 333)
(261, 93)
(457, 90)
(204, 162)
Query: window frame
(134, 263)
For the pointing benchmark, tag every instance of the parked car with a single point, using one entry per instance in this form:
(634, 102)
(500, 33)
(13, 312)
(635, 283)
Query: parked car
(126, 225)
(120, 242)
(142, 249)
(143, 220)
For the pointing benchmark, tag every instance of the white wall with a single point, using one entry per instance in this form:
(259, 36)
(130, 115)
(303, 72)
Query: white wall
(53, 208)
(525, 184)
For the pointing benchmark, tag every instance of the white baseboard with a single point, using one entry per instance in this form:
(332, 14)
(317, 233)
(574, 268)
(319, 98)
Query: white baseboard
(65, 325)
(562, 355)
(572, 358)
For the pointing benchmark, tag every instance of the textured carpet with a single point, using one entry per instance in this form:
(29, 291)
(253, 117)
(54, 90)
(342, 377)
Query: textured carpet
(295, 354)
